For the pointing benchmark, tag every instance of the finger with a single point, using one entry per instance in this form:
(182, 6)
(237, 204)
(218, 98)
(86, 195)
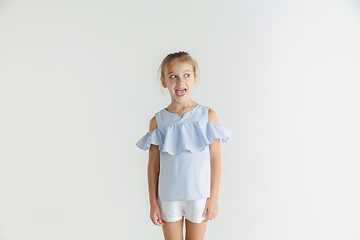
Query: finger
(160, 220)
(157, 223)
(153, 219)
(205, 211)
(207, 218)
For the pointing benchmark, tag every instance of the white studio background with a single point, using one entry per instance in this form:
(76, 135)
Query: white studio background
(78, 88)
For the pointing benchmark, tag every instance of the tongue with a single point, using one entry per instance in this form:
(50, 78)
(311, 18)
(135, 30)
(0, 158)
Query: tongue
(180, 92)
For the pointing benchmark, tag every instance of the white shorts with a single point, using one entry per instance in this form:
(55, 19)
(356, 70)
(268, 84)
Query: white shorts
(172, 211)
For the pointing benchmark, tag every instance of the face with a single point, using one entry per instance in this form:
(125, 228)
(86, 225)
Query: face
(179, 75)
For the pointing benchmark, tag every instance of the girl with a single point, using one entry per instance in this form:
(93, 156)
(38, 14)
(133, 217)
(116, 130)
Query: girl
(184, 157)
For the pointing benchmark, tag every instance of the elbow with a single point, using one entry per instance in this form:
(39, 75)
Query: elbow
(215, 159)
(154, 165)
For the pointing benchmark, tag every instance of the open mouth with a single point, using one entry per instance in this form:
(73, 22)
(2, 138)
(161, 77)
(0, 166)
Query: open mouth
(180, 92)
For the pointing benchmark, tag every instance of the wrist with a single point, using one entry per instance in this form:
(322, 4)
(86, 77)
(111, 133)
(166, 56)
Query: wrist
(213, 197)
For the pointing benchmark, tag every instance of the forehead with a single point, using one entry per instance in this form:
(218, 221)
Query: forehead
(177, 66)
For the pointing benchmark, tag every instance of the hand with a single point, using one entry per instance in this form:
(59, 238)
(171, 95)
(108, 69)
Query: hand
(155, 215)
(211, 209)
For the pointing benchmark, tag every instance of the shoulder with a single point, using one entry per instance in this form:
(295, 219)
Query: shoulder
(153, 124)
(212, 116)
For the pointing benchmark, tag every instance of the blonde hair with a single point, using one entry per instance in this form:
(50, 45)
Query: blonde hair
(177, 56)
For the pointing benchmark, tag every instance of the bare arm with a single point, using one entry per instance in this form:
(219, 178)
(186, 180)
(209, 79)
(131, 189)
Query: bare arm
(212, 208)
(153, 167)
(215, 160)
(153, 179)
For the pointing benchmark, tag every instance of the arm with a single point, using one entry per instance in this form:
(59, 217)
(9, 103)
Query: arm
(215, 160)
(212, 208)
(153, 178)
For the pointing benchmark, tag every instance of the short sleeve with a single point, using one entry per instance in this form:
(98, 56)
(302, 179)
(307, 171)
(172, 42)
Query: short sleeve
(152, 137)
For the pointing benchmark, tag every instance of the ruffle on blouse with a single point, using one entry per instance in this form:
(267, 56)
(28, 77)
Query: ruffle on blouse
(191, 136)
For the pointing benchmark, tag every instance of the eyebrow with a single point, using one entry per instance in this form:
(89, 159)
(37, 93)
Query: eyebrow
(184, 71)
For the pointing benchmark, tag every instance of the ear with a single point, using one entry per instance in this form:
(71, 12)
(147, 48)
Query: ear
(163, 83)
(195, 79)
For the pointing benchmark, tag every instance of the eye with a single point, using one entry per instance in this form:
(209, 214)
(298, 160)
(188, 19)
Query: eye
(172, 76)
(187, 75)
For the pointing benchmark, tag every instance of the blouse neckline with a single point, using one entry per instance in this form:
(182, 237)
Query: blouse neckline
(184, 113)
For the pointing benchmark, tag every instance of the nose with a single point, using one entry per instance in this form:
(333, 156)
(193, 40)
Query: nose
(180, 79)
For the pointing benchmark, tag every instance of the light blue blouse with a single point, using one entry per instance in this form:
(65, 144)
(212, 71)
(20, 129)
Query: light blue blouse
(185, 172)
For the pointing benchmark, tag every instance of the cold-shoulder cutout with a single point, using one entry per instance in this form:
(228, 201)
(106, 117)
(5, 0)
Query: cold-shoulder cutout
(212, 117)
(152, 124)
